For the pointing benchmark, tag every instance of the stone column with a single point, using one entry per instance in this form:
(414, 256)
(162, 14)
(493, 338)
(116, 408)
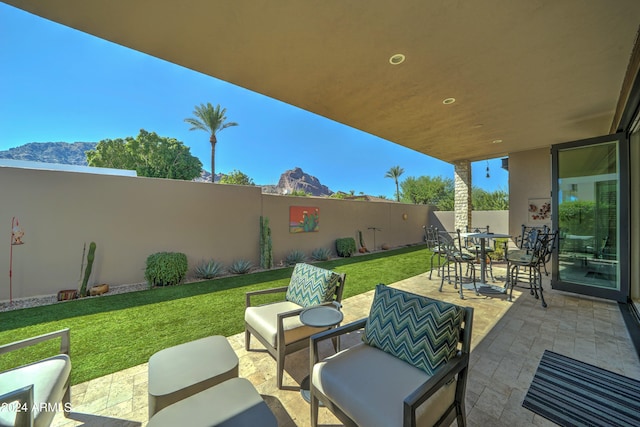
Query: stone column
(462, 206)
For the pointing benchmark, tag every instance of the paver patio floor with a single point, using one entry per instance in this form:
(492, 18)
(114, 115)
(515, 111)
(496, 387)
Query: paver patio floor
(508, 341)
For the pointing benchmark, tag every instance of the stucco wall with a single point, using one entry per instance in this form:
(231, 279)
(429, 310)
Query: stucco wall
(130, 218)
(529, 178)
(498, 221)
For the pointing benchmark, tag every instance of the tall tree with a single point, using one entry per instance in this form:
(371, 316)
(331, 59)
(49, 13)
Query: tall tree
(148, 154)
(395, 173)
(236, 177)
(212, 120)
(437, 191)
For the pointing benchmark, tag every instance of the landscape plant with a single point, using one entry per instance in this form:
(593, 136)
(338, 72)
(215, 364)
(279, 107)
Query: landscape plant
(345, 246)
(240, 266)
(208, 269)
(266, 247)
(166, 268)
(113, 333)
(87, 271)
(321, 254)
(294, 257)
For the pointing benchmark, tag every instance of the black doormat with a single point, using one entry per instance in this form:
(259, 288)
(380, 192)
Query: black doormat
(573, 393)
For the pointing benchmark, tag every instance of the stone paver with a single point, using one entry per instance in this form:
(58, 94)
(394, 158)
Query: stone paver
(508, 341)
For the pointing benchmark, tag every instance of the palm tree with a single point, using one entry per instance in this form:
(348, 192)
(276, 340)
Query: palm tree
(395, 173)
(212, 120)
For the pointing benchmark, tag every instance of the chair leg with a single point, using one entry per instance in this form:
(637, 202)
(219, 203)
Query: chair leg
(247, 339)
(431, 265)
(456, 281)
(511, 280)
(544, 303)
(280, 368)
(66, 400)
(315, 403)
(473, 277)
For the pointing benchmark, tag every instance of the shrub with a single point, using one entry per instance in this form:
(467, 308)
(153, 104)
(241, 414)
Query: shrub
(345, 246)
(166, 268)
(321, 254)
(240, 266)
(295, 257)
(208, 269)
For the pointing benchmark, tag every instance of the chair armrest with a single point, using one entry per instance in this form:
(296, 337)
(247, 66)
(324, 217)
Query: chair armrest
(441, 377)
(65, 342)
(248, 295)
(332, 333)
(19, 401)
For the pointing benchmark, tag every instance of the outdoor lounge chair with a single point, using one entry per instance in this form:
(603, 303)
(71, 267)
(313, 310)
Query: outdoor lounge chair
(410, 369)
(39, 386)
(277, 325)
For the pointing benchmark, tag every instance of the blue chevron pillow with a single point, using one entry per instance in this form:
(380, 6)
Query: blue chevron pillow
(419, 330)
(311, 285)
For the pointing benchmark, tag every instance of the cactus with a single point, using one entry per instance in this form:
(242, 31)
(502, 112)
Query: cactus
(87, 271)
(266, 249)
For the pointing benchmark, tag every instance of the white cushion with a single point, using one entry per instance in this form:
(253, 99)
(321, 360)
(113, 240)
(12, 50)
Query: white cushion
(370, 386)
(264, 319)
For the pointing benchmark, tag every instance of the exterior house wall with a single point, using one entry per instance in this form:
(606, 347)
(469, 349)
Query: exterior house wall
(130, 218)
(529, 178)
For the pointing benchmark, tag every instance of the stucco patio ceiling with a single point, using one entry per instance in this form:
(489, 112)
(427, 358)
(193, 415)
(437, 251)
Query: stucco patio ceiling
(528, 72)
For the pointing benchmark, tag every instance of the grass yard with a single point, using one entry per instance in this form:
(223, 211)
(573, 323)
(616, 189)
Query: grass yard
(116, 332)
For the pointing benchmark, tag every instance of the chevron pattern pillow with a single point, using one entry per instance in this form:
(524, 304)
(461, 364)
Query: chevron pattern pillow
(311, 285)
(419, 330)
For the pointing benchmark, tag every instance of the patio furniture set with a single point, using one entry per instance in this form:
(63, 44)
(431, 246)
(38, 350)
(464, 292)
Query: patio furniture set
(471, 249)
(410, 367)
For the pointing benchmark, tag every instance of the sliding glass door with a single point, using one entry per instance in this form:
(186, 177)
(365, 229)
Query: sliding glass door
(591, 204)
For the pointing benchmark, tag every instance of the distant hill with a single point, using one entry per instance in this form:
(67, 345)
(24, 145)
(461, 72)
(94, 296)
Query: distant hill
(74, 154)
(51, 152)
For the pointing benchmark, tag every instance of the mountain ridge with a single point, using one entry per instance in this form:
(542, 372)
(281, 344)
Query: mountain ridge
(73, 153)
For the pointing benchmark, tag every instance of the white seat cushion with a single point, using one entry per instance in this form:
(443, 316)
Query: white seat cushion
(370, 386)
(48, 377)
(264, 319)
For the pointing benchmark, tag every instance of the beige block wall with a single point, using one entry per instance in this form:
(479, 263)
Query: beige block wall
(498, 221)
(130, 218)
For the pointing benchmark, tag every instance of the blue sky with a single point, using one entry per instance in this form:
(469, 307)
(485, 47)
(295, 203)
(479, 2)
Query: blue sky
(58, 84)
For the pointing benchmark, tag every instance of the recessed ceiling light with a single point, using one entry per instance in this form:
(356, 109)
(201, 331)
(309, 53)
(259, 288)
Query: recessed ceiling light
(448, 101)
(496, 141)
(396, 59)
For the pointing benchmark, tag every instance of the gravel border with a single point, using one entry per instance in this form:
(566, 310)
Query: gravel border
(17, 304)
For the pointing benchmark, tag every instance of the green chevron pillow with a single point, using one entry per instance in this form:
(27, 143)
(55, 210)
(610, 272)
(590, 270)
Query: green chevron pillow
(419, 330)
(311, 285)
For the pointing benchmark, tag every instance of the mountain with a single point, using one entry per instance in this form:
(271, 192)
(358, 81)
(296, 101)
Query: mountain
(74, 154)
(51, 152)
(297, 180)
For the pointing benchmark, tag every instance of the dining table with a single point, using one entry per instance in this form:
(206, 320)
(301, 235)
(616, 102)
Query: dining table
(483, 236)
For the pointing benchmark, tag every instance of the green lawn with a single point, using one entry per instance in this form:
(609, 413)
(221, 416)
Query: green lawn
(115, 332)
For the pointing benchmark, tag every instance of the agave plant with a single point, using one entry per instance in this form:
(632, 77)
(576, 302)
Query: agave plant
(295, 257)
(321, 254)
(208, 269)
(240, 266)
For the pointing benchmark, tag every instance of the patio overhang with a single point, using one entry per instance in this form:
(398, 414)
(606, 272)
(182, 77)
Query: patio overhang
(529, 74)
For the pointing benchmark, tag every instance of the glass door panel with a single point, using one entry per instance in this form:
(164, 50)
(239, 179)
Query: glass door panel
(587, 186)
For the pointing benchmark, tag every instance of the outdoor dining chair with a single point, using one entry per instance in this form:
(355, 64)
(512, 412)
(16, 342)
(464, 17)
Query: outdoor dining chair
(457, 257)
